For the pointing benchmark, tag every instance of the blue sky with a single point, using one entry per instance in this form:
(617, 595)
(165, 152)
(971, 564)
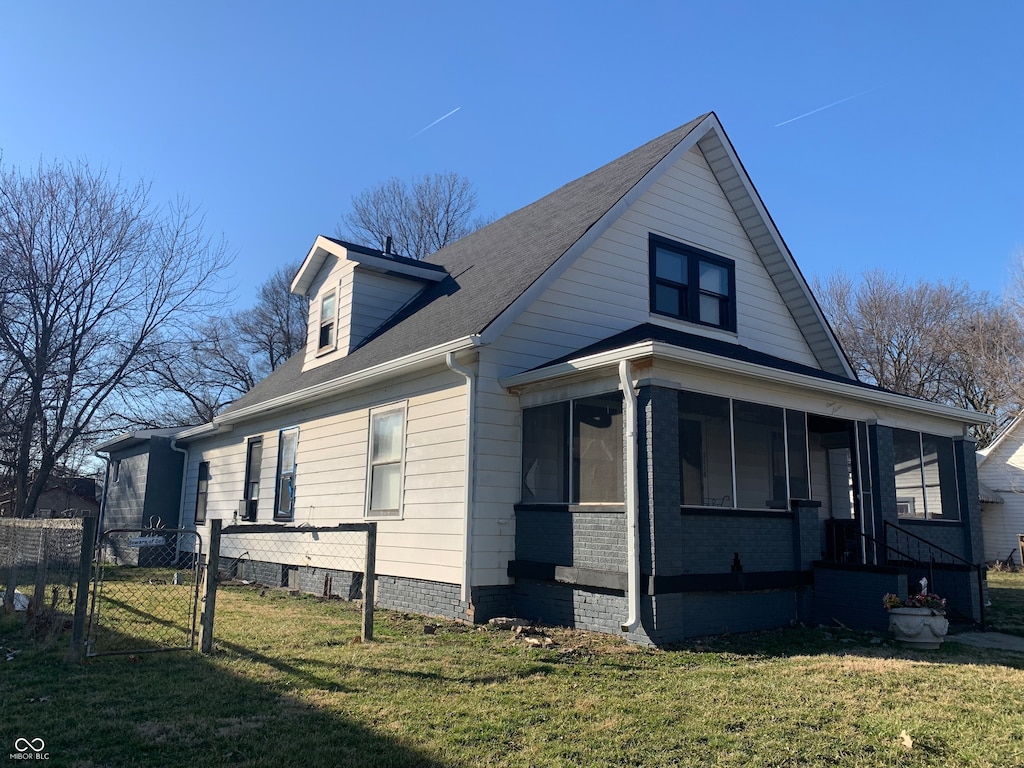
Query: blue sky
(272, 116)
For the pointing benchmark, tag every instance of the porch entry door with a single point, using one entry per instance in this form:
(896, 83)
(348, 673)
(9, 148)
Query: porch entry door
(840, 480)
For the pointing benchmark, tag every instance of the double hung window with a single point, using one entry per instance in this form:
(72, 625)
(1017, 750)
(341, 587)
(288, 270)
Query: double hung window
(202, 492)
(385, 461)
(328, 338)
(253, 464)
(284, 496)
(692, 285)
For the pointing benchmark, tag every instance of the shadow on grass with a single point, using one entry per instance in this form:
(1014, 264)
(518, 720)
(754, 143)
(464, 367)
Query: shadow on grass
(178, 709)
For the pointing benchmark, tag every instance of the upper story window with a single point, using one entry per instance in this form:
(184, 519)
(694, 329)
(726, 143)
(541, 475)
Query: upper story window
(327, 321)
(691, 284)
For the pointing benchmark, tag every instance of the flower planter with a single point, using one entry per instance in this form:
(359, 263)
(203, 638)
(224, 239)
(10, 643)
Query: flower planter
(918, 627)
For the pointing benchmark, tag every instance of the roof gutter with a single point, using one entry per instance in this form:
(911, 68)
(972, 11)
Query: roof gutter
(659, 349)
(415, 361)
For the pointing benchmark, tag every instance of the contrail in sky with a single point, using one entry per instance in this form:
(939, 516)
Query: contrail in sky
(443, 117)
(806, 114)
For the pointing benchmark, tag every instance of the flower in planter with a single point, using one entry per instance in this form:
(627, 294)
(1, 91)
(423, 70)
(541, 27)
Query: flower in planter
(922, 600)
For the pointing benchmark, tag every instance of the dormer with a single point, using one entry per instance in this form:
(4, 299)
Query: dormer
(353, 290)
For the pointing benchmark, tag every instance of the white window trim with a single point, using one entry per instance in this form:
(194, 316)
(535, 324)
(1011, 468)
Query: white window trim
(335, 292)
(280, 471)
(403, 408)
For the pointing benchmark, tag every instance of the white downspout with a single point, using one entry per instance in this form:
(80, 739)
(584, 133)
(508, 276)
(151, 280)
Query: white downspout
(632, 499)
(467, 523)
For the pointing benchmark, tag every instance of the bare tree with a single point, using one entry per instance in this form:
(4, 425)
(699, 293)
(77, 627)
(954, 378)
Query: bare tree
(423, 216)
(938, 341)
(218, 359)
(94, 283)
(274, 329)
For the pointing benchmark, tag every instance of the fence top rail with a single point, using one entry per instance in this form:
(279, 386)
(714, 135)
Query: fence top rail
(272, 528)
(69, 523)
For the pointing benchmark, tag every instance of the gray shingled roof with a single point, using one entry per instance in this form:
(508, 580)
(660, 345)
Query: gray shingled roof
(488, 270)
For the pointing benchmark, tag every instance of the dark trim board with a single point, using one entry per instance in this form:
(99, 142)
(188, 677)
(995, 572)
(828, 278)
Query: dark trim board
(757, 581)
(567, 574)
(779, 514)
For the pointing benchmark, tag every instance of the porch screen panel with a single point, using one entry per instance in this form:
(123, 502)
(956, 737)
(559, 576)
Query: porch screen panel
(910, 498)
(546, 454)
(597, 449)
(796, 441)
(939, 478)
(705, 450)
(761, 477)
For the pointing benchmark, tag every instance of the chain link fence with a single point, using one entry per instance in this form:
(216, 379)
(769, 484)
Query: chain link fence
(330, 562)
(145, 593)
(40, 566)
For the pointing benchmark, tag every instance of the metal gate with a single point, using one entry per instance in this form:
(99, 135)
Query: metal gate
(145, 591)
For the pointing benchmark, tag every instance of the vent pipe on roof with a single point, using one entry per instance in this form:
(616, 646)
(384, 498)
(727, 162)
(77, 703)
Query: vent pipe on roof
(388, 242)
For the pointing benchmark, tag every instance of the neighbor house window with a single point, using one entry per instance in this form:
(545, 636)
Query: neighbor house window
(284, 495)
(925, 476)
(327, 320)
(693, 285)
(202, 491)
(738, 454)
(253, 463)
(385, 458)
(573, 452)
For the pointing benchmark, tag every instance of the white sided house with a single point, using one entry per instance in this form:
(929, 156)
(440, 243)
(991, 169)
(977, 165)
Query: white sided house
(1001, 482)
(619, 408)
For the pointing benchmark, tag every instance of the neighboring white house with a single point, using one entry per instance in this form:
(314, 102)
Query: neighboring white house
(1001, 481)
(619, 407)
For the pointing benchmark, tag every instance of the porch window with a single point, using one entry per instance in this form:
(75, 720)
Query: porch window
(385, 457)
(739, 454)
(925, 476)
(573, 452)
(705, 448)
(284, 495)
(693, 285)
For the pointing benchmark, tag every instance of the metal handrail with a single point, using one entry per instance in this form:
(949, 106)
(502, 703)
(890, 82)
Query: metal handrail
(932, 548)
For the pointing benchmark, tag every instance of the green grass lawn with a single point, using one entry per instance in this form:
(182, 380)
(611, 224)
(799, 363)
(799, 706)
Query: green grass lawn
(289, 685)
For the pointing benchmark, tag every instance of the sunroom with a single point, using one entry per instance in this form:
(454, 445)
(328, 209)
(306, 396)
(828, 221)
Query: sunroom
(765, 492)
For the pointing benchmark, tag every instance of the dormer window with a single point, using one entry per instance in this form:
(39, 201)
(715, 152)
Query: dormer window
(692, 285)
(327, 322)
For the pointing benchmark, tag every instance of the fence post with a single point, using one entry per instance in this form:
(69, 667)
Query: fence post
(369, 577)
(12, 572)
(210, 593)
(85, 555)
(42, 560)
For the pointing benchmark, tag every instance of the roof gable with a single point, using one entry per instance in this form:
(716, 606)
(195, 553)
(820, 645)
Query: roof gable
(495, 273)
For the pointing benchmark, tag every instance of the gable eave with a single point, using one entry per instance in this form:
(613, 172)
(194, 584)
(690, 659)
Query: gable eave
(601, 224)
(767, 241)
